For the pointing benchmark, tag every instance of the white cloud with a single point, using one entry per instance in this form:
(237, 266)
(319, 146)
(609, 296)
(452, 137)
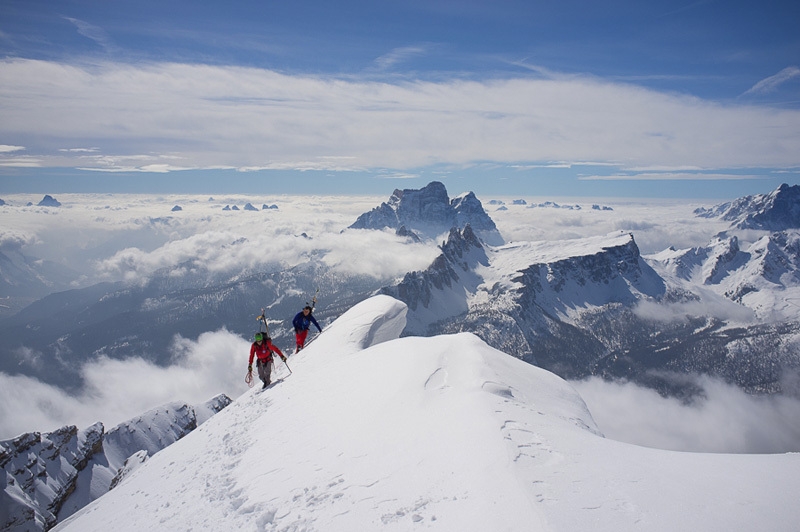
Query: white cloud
(5, 148)
(656, 225)
(80, 150)
(711, 306)
(216, 116)
(131, 236)
(21, 162)
(13, 240)
(374, 253)
(727, 420)
(117, 390)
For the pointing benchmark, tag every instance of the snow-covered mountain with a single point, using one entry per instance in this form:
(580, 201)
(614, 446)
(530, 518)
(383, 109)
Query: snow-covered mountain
(48, 477)
(429, 212)
(445, 433)
(776, 211)
(595, 306)
(764, 276)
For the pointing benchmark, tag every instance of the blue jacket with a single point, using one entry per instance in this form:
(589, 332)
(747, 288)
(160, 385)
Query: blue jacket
(302, 322)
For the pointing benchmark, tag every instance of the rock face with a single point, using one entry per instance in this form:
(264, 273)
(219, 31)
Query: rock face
(439, 292)
(776, 211)
(49, 201)
(429, 212)
(39, 473)
(48, 477)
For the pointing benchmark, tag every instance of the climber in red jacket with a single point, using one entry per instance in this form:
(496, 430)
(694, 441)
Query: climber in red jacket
(263, 348)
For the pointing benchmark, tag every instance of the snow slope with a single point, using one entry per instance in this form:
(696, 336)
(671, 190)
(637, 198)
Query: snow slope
(442, 433)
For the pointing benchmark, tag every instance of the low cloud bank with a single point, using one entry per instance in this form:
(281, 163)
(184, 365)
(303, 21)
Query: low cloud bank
(117, 390)
(717, 306)
(378, 254)
(727, 420)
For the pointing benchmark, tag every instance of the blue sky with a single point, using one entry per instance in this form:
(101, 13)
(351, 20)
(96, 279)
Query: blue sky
(570, 98)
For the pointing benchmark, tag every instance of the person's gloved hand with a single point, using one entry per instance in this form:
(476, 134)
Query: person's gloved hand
(250, 368)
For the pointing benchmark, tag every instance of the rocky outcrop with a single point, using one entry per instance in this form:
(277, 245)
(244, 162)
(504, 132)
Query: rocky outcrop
(439, 291)
(40, 471)
(47, 477)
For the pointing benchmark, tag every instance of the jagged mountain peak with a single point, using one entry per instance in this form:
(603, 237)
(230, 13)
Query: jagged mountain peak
(560, 276)
(429, 212)
(49, 201)
(762, 275)
(776, 211)
(464, 247)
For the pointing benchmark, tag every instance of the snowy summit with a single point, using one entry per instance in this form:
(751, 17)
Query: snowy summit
(376, 432)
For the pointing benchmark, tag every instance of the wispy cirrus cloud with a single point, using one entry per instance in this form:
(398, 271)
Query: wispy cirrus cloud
(79, 150)
(21, 162)
(669, 176)
(399, 55)
(90, 31)
(772, 83)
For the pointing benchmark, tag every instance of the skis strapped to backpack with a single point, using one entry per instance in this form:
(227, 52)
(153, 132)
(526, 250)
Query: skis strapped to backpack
(263, 319)
(313, 301)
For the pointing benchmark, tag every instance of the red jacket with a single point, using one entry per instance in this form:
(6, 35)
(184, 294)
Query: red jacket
(264, 351)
